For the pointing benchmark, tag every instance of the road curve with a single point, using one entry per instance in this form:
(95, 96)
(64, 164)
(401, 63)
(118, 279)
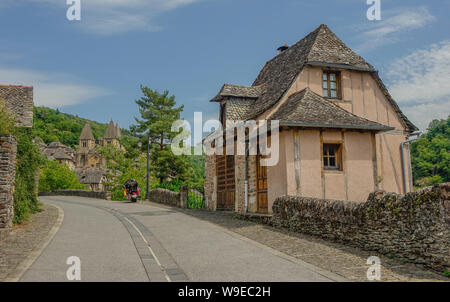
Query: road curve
(131, 242)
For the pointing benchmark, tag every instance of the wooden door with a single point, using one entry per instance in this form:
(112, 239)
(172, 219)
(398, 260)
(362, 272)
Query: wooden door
(226, 185)
(261, 184)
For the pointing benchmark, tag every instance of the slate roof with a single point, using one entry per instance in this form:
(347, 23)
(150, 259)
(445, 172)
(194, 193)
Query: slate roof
(308, 109)
(111, 130)
(90, 176)
(321, 47)
(86, 133)
(118, 132)
(228, 90)
(60, 154)
(239, 108)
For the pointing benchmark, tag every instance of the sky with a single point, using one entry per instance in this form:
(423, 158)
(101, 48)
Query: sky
(94, 67)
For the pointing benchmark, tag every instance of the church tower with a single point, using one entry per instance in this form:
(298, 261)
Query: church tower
(86, 147)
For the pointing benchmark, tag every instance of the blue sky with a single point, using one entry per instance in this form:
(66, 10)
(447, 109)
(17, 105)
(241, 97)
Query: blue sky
(94, 67)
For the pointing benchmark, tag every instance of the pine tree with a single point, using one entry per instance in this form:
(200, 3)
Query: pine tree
(158, 112)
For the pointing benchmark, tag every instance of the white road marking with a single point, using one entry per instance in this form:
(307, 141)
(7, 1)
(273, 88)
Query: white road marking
(150, 248)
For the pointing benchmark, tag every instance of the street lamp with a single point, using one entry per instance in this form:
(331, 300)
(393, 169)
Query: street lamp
(148, 167)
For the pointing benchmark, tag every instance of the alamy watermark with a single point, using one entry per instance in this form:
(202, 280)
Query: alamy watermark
(74, 10)
(73, 273)
(374, 11)
(374, 271)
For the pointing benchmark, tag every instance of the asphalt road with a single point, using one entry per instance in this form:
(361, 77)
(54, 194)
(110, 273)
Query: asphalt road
(133, 242)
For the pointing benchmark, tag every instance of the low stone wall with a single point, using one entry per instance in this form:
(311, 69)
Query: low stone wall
(414, 227)
(173, 199)
(79, 193)
(8, 151)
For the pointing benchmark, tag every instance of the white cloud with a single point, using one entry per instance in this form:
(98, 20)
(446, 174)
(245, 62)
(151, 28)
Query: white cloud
(420, 83)
(119, 16)
(391, 28)
(51, 89)
(423, 76)
(421, 115)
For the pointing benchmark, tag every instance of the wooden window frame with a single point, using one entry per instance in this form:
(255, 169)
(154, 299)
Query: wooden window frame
(328, 89)
(337, 156)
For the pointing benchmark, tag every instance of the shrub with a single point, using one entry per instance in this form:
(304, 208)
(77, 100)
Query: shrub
(27, 162)
(54, 176)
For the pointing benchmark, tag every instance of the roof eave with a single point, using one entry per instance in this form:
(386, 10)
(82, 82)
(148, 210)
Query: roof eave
(339, 66)
(321, 125)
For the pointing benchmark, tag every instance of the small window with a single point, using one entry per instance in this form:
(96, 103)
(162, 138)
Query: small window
(331, 84)
(84, 144)
(332, 157)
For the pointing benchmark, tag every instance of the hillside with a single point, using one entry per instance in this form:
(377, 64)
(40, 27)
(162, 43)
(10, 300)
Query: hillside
(431, 155)
(51, 125)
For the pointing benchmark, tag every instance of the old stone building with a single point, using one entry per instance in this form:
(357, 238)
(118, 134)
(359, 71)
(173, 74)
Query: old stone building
(59, 152)
(340, 136)
(87, 155)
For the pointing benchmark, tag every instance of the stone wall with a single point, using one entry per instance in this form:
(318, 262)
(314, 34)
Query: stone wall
(173, 199)
(79, 193)
(8, 151)
(210, 182)
(414, 227)
(19, 101)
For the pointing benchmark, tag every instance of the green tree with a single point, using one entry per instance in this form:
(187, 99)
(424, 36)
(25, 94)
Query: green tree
(158, 112)
(54, 176)
(124, 165)
(431, 155)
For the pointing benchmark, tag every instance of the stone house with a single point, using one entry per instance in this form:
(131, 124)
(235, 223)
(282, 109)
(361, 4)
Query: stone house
(340, 133)
(92, 178)
(59, 152)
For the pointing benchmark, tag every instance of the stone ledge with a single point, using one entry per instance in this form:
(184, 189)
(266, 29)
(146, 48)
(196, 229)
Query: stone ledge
(79, 193)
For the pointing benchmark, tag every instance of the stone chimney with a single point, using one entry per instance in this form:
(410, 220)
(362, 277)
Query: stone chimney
(282, 48)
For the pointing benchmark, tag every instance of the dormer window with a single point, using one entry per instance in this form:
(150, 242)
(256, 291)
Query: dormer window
(331, 84)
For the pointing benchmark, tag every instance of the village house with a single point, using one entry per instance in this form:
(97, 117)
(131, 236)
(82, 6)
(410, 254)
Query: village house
(57, 151)
(340, 137)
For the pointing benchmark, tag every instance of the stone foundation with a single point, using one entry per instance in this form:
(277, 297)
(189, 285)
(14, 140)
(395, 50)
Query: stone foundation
(414, 227)
(8, 151)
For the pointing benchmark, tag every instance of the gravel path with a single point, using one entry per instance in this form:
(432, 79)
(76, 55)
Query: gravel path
(25, 238)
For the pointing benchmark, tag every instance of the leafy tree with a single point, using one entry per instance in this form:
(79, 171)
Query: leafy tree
(124, 165)
(431, 154)
(54, 176)
(158, 112)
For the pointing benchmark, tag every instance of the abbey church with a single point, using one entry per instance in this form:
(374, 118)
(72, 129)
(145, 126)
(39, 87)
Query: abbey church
(86, 155)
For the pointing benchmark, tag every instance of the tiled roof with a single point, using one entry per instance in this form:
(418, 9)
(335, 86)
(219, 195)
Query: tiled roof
(110, 131)
(86, 133)
(239, 108)
(228, 90)
(60, 154)
(308, 109)
(321, 45)
(90, 176)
